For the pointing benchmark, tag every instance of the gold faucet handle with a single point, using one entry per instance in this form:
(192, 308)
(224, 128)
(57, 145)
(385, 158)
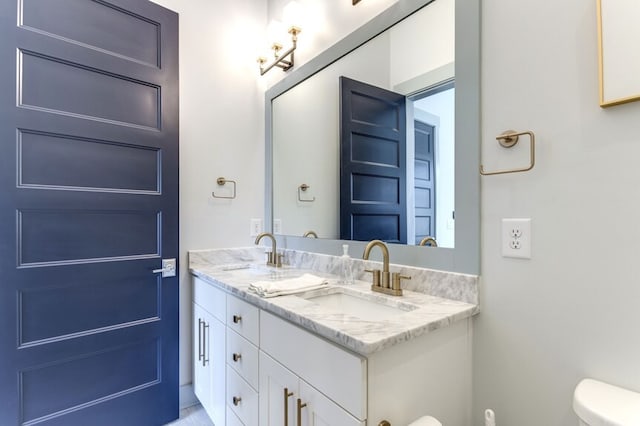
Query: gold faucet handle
(376, 276)
(396, 279)
(270, 258)
(278, 259)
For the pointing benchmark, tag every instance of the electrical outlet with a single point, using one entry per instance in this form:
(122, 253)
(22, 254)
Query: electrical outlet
(277, 226)
(256, 227)
(516, 238)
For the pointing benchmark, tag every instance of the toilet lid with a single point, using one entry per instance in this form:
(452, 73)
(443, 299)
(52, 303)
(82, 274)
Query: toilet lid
(426, 421)
(603, 404)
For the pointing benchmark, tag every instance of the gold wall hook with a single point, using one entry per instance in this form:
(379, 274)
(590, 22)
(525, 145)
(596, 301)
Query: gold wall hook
(303, 188)
(509, 139)
(222, 181)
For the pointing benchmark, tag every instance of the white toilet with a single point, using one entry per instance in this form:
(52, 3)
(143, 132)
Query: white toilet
(600, 404)
(425, 421)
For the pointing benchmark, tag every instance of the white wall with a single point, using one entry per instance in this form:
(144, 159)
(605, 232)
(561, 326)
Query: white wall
(221, 133)
(431, 32)
(572, 310)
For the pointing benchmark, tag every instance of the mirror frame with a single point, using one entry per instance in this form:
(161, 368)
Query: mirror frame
(465, 256)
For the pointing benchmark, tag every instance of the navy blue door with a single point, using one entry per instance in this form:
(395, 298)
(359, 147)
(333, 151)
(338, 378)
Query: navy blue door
(373, 158)
(88, 208)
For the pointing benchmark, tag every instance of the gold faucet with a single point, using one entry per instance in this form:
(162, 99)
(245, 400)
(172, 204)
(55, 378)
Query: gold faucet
(429, 240)
(273, 258)
(381, 282)
(310, 234)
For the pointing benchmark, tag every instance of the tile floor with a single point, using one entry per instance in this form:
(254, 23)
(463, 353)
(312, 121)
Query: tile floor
(192, 416)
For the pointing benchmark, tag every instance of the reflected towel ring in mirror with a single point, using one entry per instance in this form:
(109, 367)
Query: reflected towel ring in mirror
(222, 181)
(509, 139)
(304, 187)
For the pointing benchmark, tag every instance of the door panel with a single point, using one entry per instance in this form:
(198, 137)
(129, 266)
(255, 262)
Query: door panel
(372, 163)
(88, 208)
(54, 161)
(115, 30)
(425, 177)
(59, 86)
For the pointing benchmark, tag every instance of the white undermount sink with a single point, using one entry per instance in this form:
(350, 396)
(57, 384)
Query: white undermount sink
(361, 307)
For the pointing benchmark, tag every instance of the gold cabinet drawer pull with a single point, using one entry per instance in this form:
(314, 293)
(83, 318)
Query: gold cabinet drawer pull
(236, 357)
(287, 394)
(237, 319)
(236, 400)
(300, 407)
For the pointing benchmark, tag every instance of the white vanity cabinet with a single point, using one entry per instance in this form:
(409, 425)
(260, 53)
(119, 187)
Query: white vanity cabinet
(254, 368)
(209, 349)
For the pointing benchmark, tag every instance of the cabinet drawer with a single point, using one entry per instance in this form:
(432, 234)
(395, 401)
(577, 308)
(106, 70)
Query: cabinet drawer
(212, 299)
(243, 318)
(242, 356)
(242, 399)
(339, 374)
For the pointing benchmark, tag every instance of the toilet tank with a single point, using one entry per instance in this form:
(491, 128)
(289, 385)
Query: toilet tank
(601, 404)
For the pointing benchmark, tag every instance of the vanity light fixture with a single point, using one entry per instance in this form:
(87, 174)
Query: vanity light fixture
(292, 16)
(355, 2)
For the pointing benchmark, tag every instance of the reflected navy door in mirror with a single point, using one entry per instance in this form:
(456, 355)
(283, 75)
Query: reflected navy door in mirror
(88, 208)
(425, 177)
(372, 163)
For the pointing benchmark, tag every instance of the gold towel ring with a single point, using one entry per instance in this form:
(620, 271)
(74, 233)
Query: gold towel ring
(304, 187)
(222, 181)
(509, 139)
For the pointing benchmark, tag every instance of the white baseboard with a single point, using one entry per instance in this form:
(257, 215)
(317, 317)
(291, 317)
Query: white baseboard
(187, 397)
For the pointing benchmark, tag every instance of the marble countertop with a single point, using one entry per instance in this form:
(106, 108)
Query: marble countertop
(420, 313)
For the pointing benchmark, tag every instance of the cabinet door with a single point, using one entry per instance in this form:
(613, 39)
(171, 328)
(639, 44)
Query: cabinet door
(278, 393)
(315, 409)
(209, 363)
(201, 377)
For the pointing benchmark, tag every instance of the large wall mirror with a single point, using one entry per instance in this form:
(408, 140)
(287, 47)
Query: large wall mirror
(427, 54)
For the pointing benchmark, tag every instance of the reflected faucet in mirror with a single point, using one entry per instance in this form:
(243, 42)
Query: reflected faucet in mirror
(310, 234)
(273, 258)
(429, 241)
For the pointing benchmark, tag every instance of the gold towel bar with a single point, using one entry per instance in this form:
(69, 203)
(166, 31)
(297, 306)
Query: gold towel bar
(509, 139)
(222, 181)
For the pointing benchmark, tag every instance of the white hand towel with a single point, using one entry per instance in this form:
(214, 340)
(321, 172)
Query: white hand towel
(289, 286)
